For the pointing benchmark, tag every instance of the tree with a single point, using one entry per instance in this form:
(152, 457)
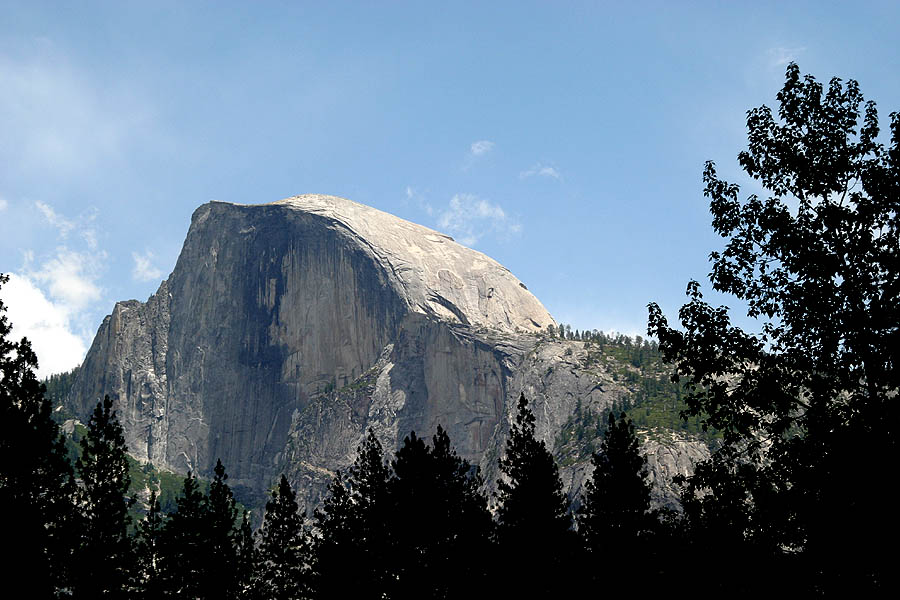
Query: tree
(461, 522)
(184, 543)
(220, 553)
(807, 406)
(247, 561)
(432, 486)
(614, 518)
(616, 504)
(533, 522)
(284, 548)
(37, 486)
(333, 524)
(147, 582)
(105, 556)
(352, 528)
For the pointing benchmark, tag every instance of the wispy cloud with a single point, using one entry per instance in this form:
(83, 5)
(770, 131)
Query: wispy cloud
(50, 299)
(412, 195)
(540, 170)
(469, 218)
(478, 151)
(144, 269)
(83, 223)
(782, 55)
(481, 147)
(3, 204)
(63, 225)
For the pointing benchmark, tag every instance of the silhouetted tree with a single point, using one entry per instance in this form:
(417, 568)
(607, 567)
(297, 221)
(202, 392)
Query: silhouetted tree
(284, 548)
(184, 544)
(105, 555)
(36, 481)
(352, 529)
(220, 552)
(807, 407)
(333, 523)
(616, 501)
(461, 522)
(147, 582)
(439, 522)
(247, 565)
(614, 518)
(533, 523)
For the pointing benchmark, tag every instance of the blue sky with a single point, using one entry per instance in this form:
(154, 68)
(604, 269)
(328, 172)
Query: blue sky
(564, 139)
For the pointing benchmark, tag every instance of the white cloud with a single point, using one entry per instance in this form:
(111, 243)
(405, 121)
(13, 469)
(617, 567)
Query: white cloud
(540, 170)
(144, 270)
(3, 204)
(481, 147)
(51, 300)
(71, 277)
(780, 56)
(469, 218)
(47, 324)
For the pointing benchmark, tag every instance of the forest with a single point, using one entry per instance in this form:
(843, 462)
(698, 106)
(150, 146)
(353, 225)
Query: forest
(791, 501)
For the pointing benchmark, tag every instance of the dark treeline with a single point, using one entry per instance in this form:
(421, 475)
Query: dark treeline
(418, 524)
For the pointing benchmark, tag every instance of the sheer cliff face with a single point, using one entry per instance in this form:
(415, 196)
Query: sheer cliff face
(276, 315)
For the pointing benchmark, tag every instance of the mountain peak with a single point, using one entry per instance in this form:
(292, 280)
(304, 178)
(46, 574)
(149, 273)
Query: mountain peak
(434, 274)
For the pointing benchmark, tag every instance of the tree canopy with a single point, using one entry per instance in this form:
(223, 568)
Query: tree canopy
(534, 528)
(103, 561)
(807, 404)
(37, 484)
(432, 485)
(615, 512)
(352, 527)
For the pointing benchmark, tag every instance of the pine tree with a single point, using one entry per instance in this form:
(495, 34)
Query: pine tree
(533, 524)
(616, 503)
(219, 571)
(37, 486)
(184, 543)
(411, 493)
(334, 537)
(614, 518)
(465, 525)
(201, 542)
(147, 582)
(284, 548)
(246, 568)
(352, 528)
(105, 556)
(434, 486)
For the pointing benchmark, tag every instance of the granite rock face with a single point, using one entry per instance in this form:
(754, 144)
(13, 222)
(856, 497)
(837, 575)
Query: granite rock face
(286, 330)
